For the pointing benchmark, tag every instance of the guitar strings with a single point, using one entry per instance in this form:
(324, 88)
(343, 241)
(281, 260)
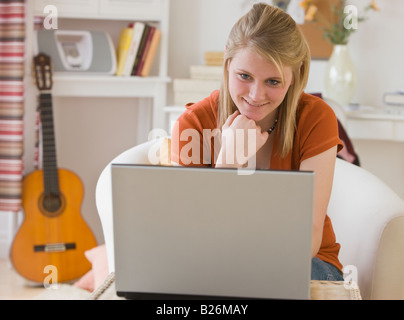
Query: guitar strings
(49, 169)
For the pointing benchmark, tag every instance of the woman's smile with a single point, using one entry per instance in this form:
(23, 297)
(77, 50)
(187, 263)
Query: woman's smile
(255, 105)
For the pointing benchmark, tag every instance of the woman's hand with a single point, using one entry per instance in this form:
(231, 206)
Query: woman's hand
(241, 140)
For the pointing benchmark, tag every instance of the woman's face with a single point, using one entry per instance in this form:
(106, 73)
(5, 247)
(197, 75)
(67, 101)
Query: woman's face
(255, 85)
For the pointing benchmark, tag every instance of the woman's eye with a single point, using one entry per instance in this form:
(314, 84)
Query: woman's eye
(244, 76)
(273, 82)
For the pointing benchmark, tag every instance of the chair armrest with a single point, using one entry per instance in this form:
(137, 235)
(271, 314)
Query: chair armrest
(145, 153)
(388, 274)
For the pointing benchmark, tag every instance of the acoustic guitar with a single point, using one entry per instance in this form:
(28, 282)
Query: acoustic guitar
(53, 235)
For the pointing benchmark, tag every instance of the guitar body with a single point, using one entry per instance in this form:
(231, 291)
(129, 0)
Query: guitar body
(58, 237)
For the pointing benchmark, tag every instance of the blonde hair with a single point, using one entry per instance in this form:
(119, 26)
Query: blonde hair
(274, 35)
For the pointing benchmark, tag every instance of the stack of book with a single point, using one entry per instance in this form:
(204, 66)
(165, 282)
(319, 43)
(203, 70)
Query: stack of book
(394, 102)
(136, 50)
(204, 79)
(214, 58)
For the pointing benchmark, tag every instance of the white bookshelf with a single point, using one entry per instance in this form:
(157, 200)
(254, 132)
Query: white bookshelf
(107, 86)
(121, 11)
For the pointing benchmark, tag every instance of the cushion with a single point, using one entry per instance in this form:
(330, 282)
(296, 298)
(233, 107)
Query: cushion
(99, 271)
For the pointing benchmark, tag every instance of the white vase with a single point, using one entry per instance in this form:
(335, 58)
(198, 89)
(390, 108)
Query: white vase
(340, 76)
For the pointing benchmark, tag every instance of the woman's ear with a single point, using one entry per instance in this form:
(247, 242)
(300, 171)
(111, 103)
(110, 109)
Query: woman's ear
(299, 72)
(301, 66)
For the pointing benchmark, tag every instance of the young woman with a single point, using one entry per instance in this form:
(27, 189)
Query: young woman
(265, 72)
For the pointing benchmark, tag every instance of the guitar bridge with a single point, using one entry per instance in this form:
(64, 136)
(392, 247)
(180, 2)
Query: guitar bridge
(55, 247)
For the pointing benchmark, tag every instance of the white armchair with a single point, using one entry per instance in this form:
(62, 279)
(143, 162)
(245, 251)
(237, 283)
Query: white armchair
(103, 192)
(368, 220)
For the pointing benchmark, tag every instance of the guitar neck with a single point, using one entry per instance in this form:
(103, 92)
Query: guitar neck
(49, 161)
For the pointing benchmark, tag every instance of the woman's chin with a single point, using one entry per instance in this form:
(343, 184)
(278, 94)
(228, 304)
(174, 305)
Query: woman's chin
(252, 116)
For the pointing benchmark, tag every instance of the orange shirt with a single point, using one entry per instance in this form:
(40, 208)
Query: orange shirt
(316, 132)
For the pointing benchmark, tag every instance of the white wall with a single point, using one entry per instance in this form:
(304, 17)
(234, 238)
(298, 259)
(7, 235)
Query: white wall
(377, 50)
(197, 26)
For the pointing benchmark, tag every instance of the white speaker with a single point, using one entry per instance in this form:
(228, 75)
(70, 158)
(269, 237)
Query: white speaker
(76, 51)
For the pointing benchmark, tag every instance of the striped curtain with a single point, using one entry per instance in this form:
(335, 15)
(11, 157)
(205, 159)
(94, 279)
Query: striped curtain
(12, 36)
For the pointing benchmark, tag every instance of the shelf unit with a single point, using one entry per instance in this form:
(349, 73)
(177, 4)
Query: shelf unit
(375, 125)
(78, 85)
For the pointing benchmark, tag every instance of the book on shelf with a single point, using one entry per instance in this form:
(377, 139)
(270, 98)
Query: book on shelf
(151, 53)
(195, 85)
(214, 58)
(183, 98)
(204, 79)
(142, 47)
(136, 49)
(125, 39)
(204, 72)
(138, 28)
(193, 90)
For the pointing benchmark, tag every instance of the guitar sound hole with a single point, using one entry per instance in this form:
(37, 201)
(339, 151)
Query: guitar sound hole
(52, 205)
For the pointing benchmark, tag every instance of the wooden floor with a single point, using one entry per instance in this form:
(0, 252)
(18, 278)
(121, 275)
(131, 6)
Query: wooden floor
(13, 286)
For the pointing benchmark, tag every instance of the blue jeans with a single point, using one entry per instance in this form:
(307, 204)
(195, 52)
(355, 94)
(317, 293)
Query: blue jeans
(321, 270)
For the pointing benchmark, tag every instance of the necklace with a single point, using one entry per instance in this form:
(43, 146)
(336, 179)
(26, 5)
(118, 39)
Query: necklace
(273, 127)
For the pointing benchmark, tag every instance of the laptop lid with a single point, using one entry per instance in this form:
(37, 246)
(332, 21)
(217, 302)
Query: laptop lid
(203, 232)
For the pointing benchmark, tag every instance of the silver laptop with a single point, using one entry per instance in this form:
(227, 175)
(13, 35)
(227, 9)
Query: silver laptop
(182, 232)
